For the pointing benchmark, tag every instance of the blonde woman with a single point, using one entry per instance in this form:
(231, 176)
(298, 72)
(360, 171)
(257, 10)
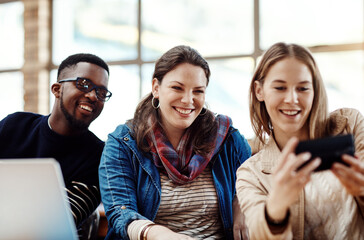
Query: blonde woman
(288, 103)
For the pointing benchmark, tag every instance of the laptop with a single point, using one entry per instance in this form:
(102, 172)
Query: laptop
(33, 201)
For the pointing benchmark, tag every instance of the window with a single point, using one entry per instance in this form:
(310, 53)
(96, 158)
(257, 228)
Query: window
(334, 31)
(131, 43)
(213, 27)
(11, 95)
(311, 22)
(12, 51)
(12, 32)
(131, 34)
(107, 30)
(344, 78)
(231, 34)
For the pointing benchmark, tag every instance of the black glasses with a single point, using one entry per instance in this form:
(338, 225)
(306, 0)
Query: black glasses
(86, 85)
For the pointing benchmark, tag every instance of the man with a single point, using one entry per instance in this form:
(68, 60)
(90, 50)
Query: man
(80, 93)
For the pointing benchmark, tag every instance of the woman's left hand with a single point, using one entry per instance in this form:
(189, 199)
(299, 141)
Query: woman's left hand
(352, 176)
(240, 229)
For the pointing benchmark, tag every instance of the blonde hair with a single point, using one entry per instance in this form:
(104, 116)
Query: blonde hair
(259, 116)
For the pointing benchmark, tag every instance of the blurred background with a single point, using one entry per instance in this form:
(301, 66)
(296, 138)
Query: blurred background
(36, 35)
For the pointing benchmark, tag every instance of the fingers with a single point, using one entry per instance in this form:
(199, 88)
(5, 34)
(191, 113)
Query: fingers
(309, 167)
(349, 176)
(287, 150)
(237, 235)
(352, 178)
(354, 162)
(301, 159)
(287, 181)
(289, 161)
(299, 178)
(245, 234)
(354, 173)
(289, 170)
(304, 174)
(353, 182)
(241, 234)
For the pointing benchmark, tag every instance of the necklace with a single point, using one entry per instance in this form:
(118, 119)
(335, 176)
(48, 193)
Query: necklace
(49, 124)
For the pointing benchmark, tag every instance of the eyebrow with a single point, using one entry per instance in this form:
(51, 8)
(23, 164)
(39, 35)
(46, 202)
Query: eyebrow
(301, 82)
(183, 85)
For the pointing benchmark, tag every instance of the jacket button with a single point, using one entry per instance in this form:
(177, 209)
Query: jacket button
(123, 207)
(126, 139)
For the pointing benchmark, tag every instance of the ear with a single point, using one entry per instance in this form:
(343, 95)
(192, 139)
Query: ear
(56, 89)
(258, 88)
(155, 87)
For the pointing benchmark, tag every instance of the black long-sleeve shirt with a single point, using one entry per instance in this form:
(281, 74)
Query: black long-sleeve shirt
(27, 135)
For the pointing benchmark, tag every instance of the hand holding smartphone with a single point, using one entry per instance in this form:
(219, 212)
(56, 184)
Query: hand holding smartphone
(329, 149)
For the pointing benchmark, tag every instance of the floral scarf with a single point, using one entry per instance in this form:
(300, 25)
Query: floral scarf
(182, 165)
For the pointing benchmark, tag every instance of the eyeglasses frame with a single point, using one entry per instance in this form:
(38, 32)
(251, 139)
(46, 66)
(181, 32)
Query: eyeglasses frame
(76, 79)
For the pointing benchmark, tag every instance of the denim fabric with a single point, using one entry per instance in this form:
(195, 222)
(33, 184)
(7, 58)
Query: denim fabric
(130, 183)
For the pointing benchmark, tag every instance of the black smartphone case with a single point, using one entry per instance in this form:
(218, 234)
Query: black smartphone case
(329, 149)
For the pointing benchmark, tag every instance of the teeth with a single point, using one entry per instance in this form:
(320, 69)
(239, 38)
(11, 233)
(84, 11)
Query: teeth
(87, 108)
(291, 113)
(184, 111)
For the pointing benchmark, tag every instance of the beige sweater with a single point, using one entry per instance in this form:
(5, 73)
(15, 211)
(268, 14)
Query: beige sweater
(324, 209)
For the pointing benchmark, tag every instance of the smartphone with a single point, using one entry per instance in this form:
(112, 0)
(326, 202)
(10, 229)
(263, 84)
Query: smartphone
(329, 149)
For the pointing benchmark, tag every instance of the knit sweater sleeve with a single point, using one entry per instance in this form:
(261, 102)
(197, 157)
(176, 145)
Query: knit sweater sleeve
(356, 123)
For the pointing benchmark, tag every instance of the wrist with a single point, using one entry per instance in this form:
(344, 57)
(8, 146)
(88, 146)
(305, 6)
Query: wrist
(145, 230)
(277, 222)
(276, 212)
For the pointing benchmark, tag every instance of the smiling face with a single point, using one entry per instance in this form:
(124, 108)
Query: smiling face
(181, 95)
(77, 107)
(287, 92)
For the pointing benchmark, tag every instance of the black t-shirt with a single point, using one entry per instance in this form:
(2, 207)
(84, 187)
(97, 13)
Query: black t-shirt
(27, 135)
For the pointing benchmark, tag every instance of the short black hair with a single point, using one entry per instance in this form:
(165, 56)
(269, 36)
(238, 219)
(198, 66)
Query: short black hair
(81, 57)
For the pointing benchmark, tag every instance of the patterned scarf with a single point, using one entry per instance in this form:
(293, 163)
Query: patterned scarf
(182, 165)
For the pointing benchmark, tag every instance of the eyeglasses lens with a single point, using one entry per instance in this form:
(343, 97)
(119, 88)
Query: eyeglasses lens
(86, 85)
(102, 93)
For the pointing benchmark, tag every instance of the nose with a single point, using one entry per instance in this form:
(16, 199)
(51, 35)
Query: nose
(187, 97)
(291, 96)
(92, 95)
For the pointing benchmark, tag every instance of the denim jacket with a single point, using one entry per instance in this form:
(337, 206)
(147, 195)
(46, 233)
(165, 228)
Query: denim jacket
(130, 182)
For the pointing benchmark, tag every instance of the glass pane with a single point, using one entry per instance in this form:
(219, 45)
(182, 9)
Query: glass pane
(311, 22)
(11, 96)
(124, 85)
(12, 35)
(343, 74)
(228, 91)
(213, 27)
(107, 30)
(53, 79)
(147, 74)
